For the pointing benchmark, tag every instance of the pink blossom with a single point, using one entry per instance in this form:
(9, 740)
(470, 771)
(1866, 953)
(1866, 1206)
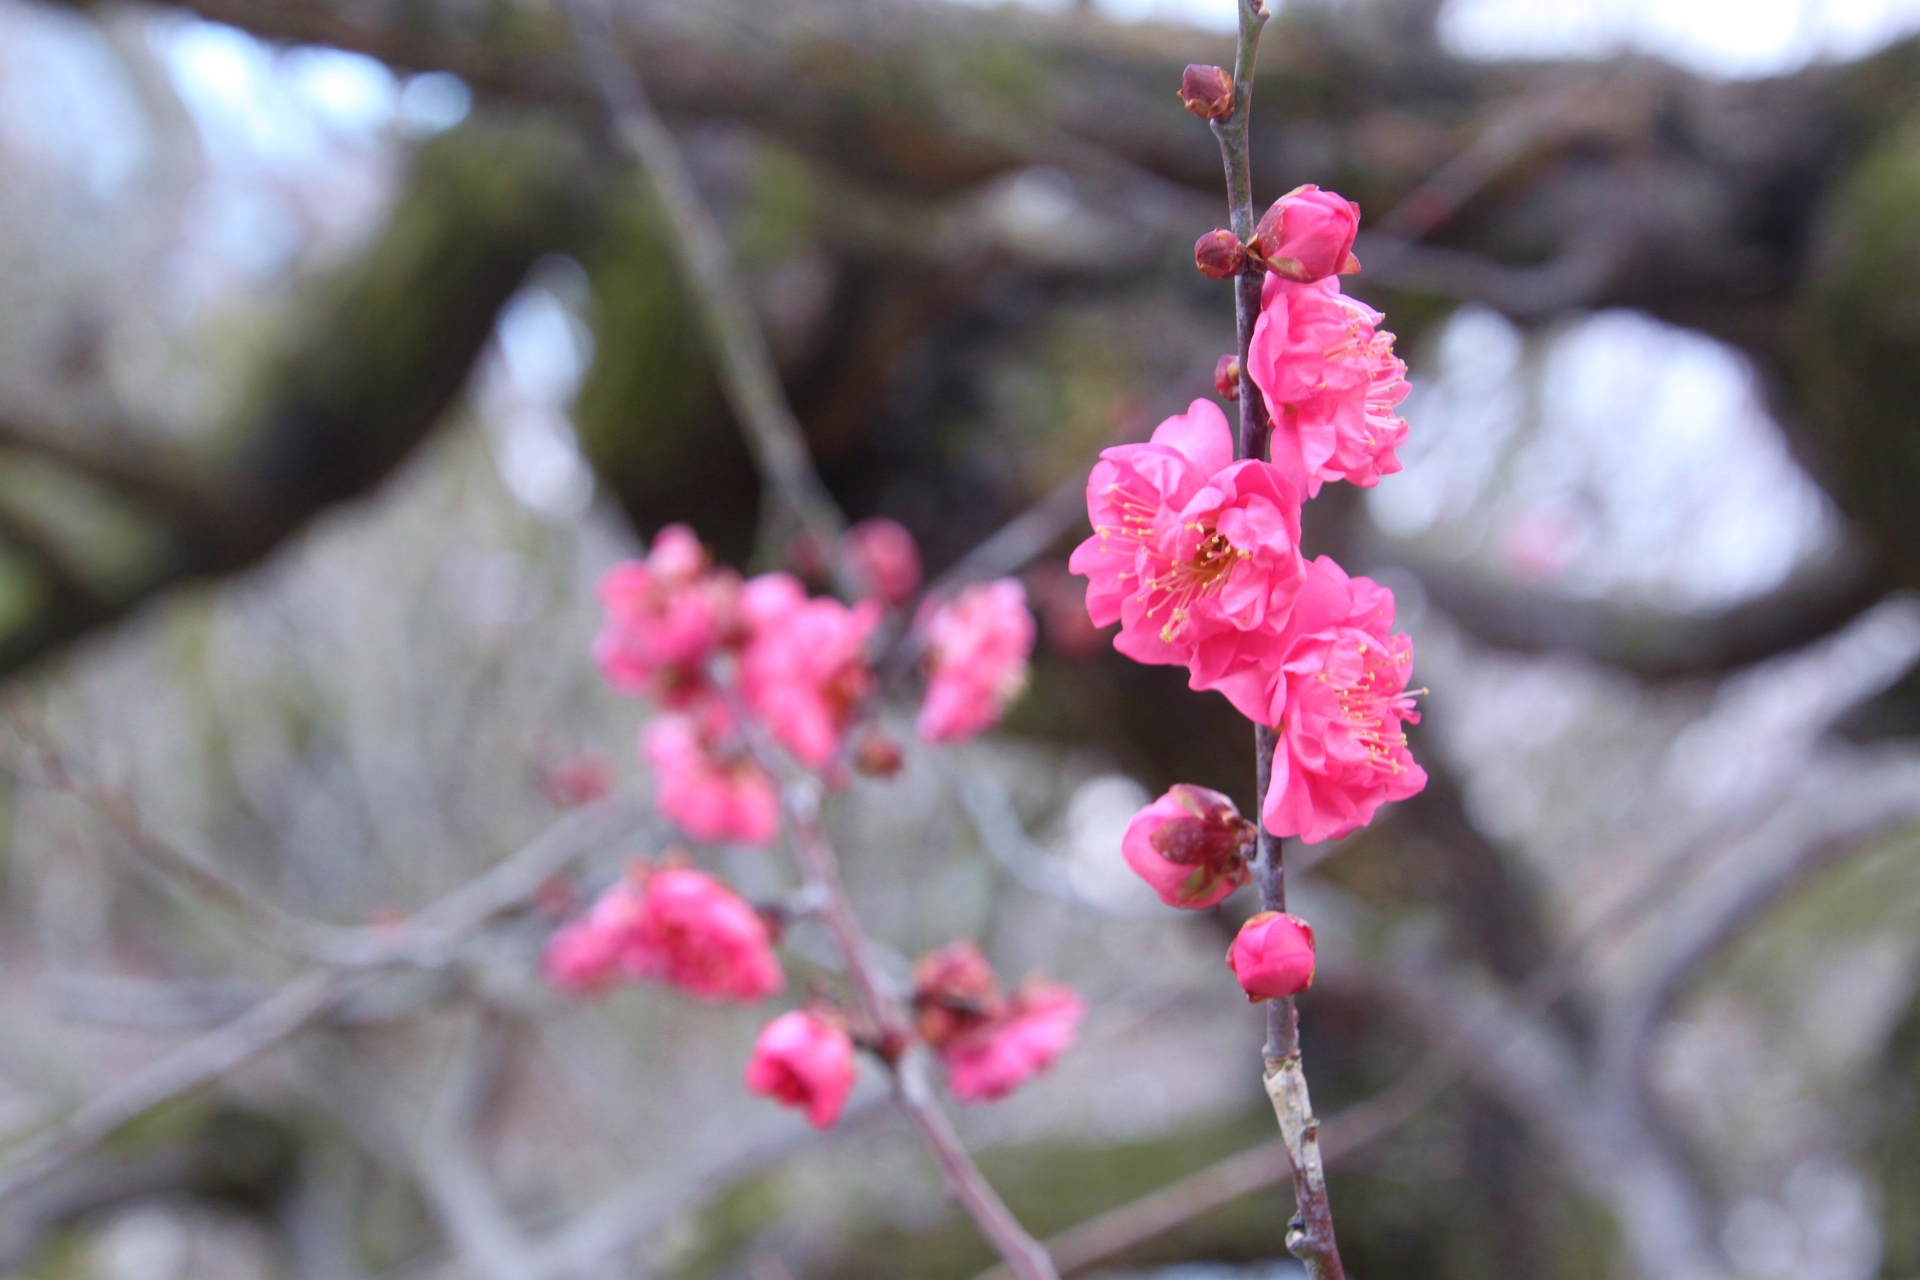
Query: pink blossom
(578, 779)
(585, 956)
(1308, 234)
(697, 934)
(1331, 383)
(1190, 846)
(704, 780)
(1194, 554)
(977, 645)
(665, 615)
(1337, 690)
(954, 994)
(1038, 1026)
(1272, 956)
(804, 671)
(886, 556)
(802, 1059)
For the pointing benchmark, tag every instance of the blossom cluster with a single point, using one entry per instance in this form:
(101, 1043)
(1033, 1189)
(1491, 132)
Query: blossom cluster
(1196, 554)
(739, 668)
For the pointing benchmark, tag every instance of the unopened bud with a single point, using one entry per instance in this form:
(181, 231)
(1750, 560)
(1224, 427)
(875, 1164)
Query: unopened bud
(1226, 377)
(1207, 91)
(1273, 956)
(1219, 254)
(1191, 846)
(878, 755)
(1307, 235)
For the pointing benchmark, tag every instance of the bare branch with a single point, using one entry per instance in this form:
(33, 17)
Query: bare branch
(193, 1064)
(747, 370)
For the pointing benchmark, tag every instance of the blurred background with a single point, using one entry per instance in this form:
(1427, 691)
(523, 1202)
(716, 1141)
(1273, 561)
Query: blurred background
(340, 350)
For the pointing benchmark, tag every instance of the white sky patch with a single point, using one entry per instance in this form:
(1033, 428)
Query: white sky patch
(524, 394)
(1616, 455)
(1730, 38)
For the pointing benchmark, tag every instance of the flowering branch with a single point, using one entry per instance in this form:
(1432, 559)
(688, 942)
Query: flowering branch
(1310, 1235)
(1025, 1258)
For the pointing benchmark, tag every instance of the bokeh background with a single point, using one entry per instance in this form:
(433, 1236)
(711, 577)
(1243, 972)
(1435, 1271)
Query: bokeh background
(340, 351)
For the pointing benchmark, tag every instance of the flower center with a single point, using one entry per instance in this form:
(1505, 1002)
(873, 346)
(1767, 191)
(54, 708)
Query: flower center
(1376, 706)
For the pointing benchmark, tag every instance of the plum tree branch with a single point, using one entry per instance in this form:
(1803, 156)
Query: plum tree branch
(747, 370)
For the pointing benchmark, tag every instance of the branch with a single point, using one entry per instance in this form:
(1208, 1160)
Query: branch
(1655, 645)
(1024, 1256)
(193, 1064)
(747, 369)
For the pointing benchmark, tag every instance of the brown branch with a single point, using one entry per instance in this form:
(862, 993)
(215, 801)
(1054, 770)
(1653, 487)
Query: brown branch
(1653, 644)
(747, 370)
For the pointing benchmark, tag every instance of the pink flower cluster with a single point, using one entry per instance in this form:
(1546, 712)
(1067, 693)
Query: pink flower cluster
(727, 659)
(991, 1044)
(977, 645)
(669, 924)
(1196, 555)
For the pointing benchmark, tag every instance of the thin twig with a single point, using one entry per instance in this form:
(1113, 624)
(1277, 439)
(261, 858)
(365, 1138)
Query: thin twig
(1024, 1255)
(193, 1064)
(747, 370)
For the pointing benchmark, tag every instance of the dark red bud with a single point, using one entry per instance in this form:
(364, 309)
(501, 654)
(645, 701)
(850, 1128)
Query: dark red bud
(878, 756)
(1219, 254)
(1207, 91)
(1226, 377)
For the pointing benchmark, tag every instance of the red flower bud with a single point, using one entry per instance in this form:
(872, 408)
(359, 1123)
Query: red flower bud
(1207, 91)
(1219, 254)
(878, 756)
(1190, 845)
(1226, 377)
(1307, 235)
(1273, 956)
(954, 993)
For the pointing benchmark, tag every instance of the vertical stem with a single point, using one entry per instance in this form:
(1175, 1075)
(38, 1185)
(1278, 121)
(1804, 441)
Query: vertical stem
(1310, 1235)
(1026, 1258)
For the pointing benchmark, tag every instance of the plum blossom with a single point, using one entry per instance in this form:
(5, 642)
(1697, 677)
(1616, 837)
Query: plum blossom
(977, 645)
(955, 994)
(675, 925)
(804, 1059)
(1308, 235)
(1331, 383)
(704, 780)
(697, 934)
(665, 616)
(1337, 692)
(1272, 956)
(1037, 1026)
(1192, 553)
(804, 671)
(587, 955)
(1190, 846)
(886, 556)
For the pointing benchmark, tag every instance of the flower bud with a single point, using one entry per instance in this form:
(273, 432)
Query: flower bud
(1219, 254)
(1307, 235)
(954, 993)
(1207, 91)
(1190, 846)
(878, 756)
(804, 1059)
(886, 556)
(1273, 956)
(1226, 377)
